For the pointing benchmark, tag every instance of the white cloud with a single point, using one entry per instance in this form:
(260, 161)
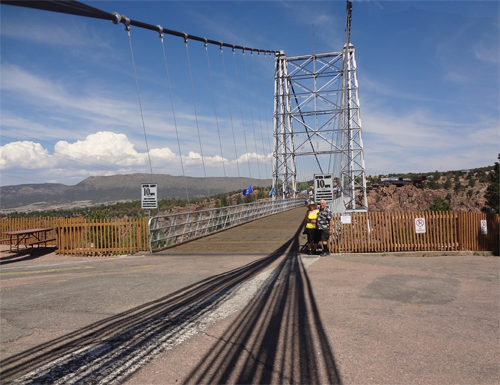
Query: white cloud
(105, 146)
(24, 154)
(421, 142)
(487, 52)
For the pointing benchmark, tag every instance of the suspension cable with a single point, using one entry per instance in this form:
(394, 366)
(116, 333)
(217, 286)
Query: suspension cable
(73, 7)
(173, 114)
(251, 114)
(260, 119)
(241, 109)
(270, 142)
(216, 118)
(196, 119)
(215, 110)
(230, 114)
(127, 28)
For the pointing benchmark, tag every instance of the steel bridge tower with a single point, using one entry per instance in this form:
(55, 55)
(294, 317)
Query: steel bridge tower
(317, 115)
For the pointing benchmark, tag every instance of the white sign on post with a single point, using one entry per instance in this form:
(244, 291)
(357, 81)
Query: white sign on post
(345, 219)
(420, 225)
(323, 187)
(484, 227)
(149, 196)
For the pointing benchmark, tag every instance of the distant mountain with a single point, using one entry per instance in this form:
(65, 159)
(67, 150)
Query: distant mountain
(109, 189)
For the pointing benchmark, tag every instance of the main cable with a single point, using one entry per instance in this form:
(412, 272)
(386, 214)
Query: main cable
(73, 7)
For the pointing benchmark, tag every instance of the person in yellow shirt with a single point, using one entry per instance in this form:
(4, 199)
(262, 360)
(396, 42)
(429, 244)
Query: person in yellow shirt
(310, 227)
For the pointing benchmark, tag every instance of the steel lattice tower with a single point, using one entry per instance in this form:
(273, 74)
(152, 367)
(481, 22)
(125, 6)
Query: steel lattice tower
(317, 115)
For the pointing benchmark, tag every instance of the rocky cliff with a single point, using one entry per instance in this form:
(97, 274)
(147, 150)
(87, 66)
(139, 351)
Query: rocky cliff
(411, 198)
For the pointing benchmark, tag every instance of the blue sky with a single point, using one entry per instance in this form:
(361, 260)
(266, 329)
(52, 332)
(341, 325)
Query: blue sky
(428, 77)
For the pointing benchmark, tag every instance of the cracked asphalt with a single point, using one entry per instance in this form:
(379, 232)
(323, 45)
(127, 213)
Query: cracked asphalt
(244, 306)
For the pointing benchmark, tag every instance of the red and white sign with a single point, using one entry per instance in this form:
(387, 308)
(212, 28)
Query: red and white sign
(484, 227)
(420, 225)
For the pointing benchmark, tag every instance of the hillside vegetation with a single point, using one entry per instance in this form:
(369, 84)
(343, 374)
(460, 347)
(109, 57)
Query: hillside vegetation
(473, 191)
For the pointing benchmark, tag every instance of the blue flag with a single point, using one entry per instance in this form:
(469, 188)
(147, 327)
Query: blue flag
(287, 192)
(303, 192)
(247, 191)
(271, 192)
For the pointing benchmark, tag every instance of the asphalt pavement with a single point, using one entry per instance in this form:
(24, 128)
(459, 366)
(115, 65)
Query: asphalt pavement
(244, 306)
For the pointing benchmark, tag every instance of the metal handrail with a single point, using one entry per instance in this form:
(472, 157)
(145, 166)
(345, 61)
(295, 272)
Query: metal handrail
(171, 229)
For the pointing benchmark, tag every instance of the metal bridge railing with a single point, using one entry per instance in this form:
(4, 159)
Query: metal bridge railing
(172, 229)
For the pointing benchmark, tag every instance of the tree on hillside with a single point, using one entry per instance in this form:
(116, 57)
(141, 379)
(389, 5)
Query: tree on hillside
(439, 204)
(492, 194)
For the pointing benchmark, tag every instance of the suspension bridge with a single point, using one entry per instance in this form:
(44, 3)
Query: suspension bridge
(255, 112)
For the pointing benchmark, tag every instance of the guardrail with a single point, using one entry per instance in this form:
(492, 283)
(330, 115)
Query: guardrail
(172, 229)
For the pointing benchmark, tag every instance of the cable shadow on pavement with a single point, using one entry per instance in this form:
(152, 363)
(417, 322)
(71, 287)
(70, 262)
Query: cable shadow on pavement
(111, 349)
(277, 338)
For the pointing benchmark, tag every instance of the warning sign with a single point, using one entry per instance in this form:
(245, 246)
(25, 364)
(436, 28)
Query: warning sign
(323, 187)
(149, 196)
(420, 225)
(484, 227)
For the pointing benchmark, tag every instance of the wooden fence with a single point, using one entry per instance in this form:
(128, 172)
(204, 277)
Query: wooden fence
(386, 232)
(13, 224)
(366, 232)
(103, 237)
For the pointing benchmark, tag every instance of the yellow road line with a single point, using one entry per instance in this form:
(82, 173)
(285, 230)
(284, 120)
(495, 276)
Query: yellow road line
(125, 269)
(48, 271)
(34, 284)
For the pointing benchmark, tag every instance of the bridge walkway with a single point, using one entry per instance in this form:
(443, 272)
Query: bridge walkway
(262, 236)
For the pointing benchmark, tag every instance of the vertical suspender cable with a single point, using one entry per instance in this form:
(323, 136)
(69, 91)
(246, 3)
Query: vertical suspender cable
(241, 109)
(127, 27)
(251, 114)
(260, 119)
(270, 142)
(196, 119)
(230, 114)
(215, 112)
(173, 114)
(264, 101)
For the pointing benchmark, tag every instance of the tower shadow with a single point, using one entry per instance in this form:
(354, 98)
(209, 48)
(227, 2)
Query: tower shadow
(277, 338)
(114, 348)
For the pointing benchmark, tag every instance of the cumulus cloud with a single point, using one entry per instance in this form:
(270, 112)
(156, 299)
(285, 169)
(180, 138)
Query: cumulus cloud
(106, 146)
(108, 153)
(25, 154)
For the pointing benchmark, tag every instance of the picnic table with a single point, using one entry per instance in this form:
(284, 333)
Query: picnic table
(33, 236)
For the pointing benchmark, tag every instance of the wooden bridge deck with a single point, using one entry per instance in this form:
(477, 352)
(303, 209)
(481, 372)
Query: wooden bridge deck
(262, 236)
